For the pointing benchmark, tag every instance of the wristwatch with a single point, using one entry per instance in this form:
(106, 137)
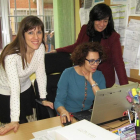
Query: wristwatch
(93, 85)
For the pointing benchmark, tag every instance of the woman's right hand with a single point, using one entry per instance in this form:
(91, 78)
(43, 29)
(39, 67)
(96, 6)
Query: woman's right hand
(6, 128)
(48, 103)
(53, 51)
(63, 116)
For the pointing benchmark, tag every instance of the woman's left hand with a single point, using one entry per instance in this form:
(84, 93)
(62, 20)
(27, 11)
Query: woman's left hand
(6, 128)
(47, 103)
(88, 76)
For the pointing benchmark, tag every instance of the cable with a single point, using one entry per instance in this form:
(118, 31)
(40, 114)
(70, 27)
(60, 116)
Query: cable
(110, 128)
(116, 126)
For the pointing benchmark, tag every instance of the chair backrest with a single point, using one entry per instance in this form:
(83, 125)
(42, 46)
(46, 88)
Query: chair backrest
(55, 64)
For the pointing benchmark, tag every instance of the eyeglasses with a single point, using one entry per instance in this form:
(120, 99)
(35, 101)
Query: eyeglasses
(92, 61)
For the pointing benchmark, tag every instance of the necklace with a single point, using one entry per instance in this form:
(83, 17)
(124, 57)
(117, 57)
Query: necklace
(83, 104)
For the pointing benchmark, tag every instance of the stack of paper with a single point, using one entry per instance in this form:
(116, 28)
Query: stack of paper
(84, 130)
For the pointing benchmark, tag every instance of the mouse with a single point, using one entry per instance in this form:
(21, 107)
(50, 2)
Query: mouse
(67, 122)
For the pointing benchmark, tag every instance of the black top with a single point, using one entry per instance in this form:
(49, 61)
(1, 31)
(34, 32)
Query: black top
(97, 37)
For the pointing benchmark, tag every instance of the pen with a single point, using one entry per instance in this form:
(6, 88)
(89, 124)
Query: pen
(129, 116)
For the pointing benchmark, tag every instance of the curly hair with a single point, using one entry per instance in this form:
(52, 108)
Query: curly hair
(100, 12)
(81, 51)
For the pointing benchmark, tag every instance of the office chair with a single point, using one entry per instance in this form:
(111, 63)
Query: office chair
(55, 63)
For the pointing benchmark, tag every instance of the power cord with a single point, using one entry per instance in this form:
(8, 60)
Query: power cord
(111, 128)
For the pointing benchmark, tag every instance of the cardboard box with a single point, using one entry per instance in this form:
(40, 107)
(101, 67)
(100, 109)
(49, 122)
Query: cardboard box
(84, 130)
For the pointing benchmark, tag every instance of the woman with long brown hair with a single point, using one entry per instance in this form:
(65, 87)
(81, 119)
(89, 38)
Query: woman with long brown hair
(18, 60)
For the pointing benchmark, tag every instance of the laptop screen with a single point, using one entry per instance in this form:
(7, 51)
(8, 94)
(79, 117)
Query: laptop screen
(110, 103)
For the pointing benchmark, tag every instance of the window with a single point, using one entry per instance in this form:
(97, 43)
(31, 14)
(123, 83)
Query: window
(49, 21)
(20, 9)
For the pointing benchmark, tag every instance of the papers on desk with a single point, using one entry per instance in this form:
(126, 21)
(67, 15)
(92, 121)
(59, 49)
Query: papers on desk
(44, 137)
(82, 130)
(47, 134)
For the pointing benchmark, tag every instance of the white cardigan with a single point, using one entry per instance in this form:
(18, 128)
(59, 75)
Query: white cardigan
(15, 80)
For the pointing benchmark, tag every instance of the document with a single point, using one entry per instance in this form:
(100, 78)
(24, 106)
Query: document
(46, 134)
(84, 16)
(120, 18)
(132, 7)
(84, 130)
(119, 1)
(44, 137)
(131, 46)
(134, 25)
(135, 7)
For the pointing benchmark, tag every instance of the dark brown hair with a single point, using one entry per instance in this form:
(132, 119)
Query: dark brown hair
(99, 12)
(18, 45)
(81, 51)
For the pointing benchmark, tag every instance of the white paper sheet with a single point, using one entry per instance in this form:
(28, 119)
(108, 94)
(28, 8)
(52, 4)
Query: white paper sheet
(84, 16)
(119, 1)
(131, 46)
(120, 17)
(45, 134)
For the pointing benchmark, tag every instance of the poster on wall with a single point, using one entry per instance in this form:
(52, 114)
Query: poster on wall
(98, 1)
(135, 7)
(120, 18)
(84, 16)
(119, 1)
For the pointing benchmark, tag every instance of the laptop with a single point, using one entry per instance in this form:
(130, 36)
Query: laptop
(109, 104)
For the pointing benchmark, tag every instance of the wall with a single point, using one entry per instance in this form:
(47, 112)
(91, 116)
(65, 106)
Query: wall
(77, 19)
(63, 22)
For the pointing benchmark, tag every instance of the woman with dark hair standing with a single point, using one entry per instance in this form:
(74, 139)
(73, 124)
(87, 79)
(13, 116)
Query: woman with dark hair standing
(100, 28)
(18, 60)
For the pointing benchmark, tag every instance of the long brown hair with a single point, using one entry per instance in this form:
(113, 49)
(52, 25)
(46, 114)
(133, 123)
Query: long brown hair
(18, 45)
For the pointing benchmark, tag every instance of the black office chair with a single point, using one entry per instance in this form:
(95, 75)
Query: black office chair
(55, 63)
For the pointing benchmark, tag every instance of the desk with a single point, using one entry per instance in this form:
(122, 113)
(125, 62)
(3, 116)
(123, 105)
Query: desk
(25, 130)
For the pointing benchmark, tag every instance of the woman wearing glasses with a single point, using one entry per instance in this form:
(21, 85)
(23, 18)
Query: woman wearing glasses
(78, 85)
(100, 28)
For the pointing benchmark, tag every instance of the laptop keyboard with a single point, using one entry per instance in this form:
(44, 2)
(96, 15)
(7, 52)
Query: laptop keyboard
(83, 115)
